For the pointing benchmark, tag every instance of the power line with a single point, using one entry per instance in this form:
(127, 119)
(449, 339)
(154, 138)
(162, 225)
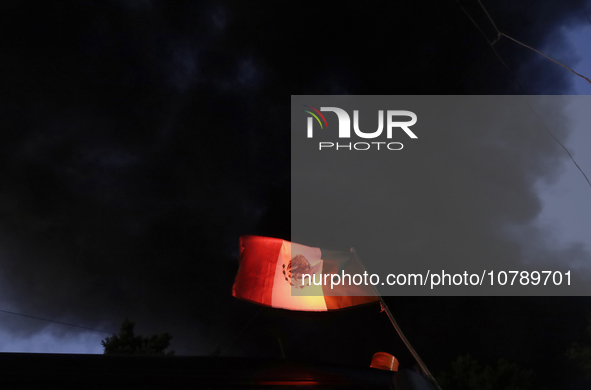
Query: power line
(489, 18)
(560, 143)
(551, 59)
(500, 34)
(519, 84)
(474, 23)
(78, 326)
(56, 322)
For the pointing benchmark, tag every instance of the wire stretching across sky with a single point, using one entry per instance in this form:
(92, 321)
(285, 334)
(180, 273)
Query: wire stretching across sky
(76, 326)
(501, 34)
(56, 322)
(491, 44)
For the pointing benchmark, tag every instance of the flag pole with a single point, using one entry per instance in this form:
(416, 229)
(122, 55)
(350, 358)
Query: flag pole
(399, 331)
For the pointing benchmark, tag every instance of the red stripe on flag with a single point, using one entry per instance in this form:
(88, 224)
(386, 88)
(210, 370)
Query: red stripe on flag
(258, 262)
(342, 296)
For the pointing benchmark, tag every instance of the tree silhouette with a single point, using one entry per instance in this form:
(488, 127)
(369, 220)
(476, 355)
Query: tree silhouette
(127, 343)
(580, 352)
(468, 374)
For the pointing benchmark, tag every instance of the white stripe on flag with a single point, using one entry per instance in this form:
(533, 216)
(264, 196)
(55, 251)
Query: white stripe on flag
(281, 296)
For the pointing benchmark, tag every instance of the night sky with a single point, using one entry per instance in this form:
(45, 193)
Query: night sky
(141, 138)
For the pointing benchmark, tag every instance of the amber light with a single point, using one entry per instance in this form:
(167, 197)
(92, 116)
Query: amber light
(384, 361)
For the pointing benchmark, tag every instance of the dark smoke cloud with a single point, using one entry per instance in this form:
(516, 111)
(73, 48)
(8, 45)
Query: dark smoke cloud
(461, 197)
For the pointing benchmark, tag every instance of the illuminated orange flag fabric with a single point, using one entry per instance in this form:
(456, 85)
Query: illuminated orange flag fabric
(271, 272)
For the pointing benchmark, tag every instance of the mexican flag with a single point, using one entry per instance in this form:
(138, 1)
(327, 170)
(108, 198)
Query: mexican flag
(272, 273)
